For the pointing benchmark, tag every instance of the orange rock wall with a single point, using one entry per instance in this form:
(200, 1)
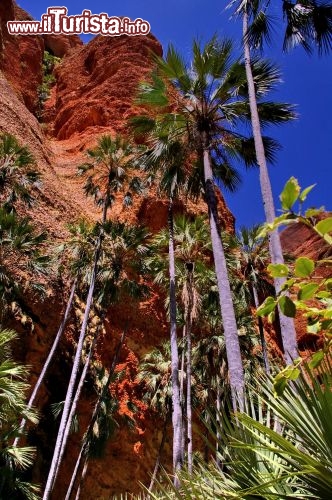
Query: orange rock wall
(93, 94)
(95, 86)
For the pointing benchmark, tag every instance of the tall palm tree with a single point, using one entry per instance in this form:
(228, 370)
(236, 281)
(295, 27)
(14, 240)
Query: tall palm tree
(120, 256)
(206, 98)
(192, 247)
(17, 175)
(88, 437)
(253, 260)
(106, 175)
(248, 9)
(77, 252)
(164, 162)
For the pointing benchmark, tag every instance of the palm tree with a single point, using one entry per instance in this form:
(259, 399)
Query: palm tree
(107, 175)
(20, 255)
(17, 176)
(263, 463)
(192, 247)
(206, 96)
(107, 172)
(88, 437)
(308, 24)
(253, 259)
(164, 161)
(13, 460)
(155, 373)
(247, 9)
(123, 248)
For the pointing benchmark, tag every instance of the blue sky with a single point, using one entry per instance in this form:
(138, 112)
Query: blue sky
(307, 142)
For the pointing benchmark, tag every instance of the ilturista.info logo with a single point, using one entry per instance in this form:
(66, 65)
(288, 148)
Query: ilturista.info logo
(56, 21)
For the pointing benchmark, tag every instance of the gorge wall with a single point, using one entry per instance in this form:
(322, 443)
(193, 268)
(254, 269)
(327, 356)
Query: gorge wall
(93, 94)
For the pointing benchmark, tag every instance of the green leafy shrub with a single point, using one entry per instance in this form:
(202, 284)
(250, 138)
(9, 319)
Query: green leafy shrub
(49, 63)
(304, 291)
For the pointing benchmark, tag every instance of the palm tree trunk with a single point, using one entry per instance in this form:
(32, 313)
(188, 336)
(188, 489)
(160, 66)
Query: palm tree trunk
(225, 295)
(177, 412)
(84, 471)
(182, 365)
(75, 401)
(161, 448)
(73, 378)
(74, 475)
(218, 421)
(189, 404)
(182, 392)
(261, 333)
(287, 324)
(55, 464)
(49, 358)
(85, 445)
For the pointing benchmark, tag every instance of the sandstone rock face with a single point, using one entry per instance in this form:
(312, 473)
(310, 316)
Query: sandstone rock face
(20, 56)
(96, 84)
(61, 45)
(301, 241)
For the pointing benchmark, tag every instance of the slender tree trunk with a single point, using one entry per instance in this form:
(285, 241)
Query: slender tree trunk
(74, 475)
(218, 421)
(49, 358)
(73, 378)
(84, 471)
(182, 392)
(261, 332)
(176, 404)
(287, 324)
(160, 451)
(85, 445)
(76, 400)
(234, 359)
(182, 365)
(189, 404)
(55, 464)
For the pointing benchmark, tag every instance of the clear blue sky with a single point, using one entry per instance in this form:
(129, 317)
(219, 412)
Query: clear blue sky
(307, 143)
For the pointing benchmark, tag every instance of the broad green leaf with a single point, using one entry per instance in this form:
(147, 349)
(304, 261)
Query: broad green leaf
(313, 212)
(323, 295)
(316, 359)
(280, 381)
(267, 307)
(307, 291)
(328, 284)
(290, 194)
(287, 306)
(288, 284)
(278, 270)
(304, 267)
(279, 384)
(314, 327)
(324, 226)
(305, 192)
(292, 373)
(327, 324)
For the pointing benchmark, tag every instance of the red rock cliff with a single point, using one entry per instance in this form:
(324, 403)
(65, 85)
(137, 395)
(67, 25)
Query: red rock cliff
(95, 85)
